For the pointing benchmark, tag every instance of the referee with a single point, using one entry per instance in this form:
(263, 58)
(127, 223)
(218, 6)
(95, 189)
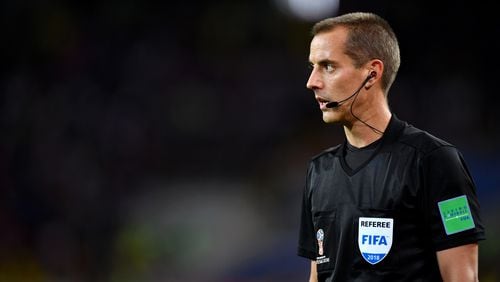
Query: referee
(392, 202)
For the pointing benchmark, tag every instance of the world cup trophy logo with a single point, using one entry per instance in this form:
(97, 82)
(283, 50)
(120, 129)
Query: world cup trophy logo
(320, 235)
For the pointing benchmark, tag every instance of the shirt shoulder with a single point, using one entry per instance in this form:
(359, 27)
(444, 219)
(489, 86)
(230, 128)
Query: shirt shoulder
(422, 141)
(327, 152)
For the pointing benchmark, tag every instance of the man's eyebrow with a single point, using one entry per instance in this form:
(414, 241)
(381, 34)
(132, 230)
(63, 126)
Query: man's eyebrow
(323, 62)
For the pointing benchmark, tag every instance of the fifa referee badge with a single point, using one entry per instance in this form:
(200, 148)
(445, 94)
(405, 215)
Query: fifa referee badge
(375, 238)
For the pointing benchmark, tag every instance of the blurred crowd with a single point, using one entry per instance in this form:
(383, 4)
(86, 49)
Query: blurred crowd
(168, 141)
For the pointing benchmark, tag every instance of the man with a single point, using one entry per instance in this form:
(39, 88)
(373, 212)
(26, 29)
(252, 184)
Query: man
(392, 203)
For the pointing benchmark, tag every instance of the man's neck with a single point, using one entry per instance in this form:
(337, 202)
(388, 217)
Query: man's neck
(359, 134)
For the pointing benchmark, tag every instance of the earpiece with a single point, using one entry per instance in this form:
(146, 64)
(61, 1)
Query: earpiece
(372, 74)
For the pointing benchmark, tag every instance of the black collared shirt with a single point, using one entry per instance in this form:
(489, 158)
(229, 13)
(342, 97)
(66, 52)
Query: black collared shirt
(385, 219)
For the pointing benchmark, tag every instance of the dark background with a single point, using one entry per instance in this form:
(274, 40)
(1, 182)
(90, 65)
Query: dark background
(168, 141)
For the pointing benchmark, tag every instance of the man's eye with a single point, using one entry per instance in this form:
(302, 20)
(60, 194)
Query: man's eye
(329, 67)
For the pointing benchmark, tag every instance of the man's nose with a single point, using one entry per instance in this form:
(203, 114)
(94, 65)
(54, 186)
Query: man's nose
(314, 81)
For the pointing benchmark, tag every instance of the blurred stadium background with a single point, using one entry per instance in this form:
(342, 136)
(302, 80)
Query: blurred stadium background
(168, 141)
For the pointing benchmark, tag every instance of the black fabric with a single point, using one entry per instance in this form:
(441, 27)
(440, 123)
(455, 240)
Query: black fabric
(409, 173)
(354, 157)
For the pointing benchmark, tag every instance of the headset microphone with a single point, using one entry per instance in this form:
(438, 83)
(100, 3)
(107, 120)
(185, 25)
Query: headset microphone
(335, 104)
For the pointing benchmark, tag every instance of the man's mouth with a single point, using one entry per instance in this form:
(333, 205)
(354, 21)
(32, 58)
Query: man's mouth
(322, 102)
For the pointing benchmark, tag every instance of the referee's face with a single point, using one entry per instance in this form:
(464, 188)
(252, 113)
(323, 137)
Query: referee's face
(333, 76)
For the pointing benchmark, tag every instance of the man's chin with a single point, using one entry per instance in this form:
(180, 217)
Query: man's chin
(328, 118)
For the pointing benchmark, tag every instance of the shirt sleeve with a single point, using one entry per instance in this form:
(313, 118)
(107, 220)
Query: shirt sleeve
(307, 244)
(450, 202)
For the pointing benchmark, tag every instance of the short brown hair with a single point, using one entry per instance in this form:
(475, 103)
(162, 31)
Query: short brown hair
(369, 37)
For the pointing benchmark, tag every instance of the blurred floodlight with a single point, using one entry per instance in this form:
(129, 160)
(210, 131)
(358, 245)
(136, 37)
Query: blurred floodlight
(309, 10)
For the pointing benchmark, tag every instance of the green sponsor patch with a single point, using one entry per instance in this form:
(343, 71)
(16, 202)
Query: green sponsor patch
(456, 215)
